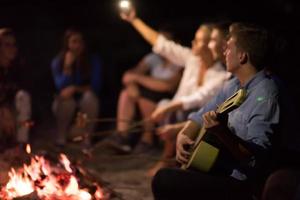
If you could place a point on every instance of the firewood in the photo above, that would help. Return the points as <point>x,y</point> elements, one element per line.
<point>31,196</point>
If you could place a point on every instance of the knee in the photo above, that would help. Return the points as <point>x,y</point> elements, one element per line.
<point>23,103</point>
<point>280,178</point>
<point>282,184</point>
<point>132,92</point>
<point>89,97</point>
<point>62,104</point>
<point>124,94</point>
<point>23,96</point>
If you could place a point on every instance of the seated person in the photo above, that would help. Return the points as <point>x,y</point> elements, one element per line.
<point>201,79</point>
<point>15,101</point>
<point>153,79</point>
<point>251,125</point>
<point>169,132</point>
<point>77,79</point>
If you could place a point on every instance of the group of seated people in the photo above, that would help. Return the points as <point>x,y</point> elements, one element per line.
<point>76,76</point>
<point>177,91</point>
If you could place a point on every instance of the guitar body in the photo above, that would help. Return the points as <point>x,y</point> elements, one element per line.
<point>206,151</point>
<point>204,157</point>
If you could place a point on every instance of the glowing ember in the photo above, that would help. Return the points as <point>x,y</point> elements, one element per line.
<point>49,183</point>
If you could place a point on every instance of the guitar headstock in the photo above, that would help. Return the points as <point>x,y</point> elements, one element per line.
<point>232,102</point>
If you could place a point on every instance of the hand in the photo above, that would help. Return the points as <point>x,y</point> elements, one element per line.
<point>68,62</point>
<point>182,154</point>
<point>129,77</point>
<point>159,113</point>
<point>167,132</point>
<point>129,14</point>
<point>68,92</point>
<point>210,119</point>
<point>7,121</point>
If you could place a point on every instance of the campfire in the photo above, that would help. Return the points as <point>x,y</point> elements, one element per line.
<point>43,180</point>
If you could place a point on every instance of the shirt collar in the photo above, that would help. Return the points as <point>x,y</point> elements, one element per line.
<point>259,76</point>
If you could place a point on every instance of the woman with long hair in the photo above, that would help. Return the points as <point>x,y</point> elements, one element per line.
<point>77,80</point>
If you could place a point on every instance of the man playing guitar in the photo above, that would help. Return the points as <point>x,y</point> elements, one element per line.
<point>252,123</point>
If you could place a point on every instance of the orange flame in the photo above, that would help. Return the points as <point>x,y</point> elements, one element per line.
<point>49,183</point>
<point>99,194</point>
<point>64,160</point>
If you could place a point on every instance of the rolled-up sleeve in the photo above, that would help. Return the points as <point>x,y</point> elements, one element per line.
<point>211,105</point>
<point>176,53</point>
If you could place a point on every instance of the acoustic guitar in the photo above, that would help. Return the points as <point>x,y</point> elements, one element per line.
<point>205,153</point>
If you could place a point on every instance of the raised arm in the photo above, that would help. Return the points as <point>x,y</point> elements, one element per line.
<point>149,34</point>
<point>176,53</point>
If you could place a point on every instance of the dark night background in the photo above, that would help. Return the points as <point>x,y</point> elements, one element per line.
<point>39,25</point>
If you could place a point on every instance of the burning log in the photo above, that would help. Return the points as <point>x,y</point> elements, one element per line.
<point>4,169</point>
<point>31,196</point>
<point>43,181</point>
<point>92,181</point>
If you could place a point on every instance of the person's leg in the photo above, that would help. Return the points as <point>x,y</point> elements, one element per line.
<point>281,185</point>
<point>7,127</point>
<point>171,184</point>
<point>145,145</point>
<point>89,104</point>
<point>63,110</point>
<point>167,159</point>
<point>168,134</point>
<point>23,109</point>
<point>125,112</point>
<point>147,107</point>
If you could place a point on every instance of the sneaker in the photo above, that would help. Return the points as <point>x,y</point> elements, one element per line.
<point>118,143</point>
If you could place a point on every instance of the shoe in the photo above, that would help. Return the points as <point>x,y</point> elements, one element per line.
<point>118,143</point>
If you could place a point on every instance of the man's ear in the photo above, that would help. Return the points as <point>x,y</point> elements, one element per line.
<point>243,57</point>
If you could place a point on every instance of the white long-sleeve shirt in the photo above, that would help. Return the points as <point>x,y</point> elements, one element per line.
<point>189,92</point>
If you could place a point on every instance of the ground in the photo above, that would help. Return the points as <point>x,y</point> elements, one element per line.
<point>124,175</point>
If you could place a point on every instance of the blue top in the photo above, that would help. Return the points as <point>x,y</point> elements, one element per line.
<point>61,80</point>
<point>254,119</point>
<point>157,67</point>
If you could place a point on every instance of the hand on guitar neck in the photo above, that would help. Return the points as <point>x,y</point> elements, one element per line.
<point>210,119</point>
